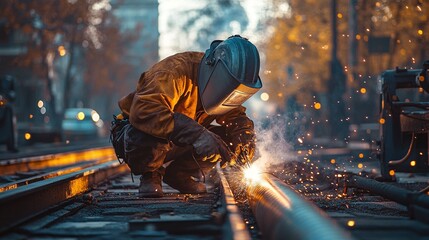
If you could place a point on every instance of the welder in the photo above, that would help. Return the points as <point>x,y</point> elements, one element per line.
<point>186,115</point>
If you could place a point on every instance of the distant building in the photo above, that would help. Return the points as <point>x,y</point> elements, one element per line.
<point>144,13</point>
<point>28,89</point>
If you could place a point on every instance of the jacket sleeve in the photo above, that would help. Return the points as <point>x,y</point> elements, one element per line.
<point>153,103</point>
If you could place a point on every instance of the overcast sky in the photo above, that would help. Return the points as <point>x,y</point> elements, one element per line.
<point>169,43</point>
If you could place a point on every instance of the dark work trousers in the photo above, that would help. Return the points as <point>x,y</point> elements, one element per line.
<point>146,153</point>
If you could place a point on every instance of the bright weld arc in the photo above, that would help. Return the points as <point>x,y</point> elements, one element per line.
<point>252,174</point>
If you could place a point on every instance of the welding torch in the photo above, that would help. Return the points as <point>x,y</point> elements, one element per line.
<point>244,155</point>
<point>243,158</point>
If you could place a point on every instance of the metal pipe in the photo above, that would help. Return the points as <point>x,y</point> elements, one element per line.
<point>281,213</point>
<point>391,192</point>
<point>416,202</point>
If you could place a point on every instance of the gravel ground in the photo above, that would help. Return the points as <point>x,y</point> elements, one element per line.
<point>323,183</point>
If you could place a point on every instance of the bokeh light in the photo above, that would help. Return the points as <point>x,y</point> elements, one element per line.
<point>317,106</point>
<point>62,51</point>
<point>265,96</point>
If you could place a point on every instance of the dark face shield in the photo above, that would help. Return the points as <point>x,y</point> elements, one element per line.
<point>222,92</point>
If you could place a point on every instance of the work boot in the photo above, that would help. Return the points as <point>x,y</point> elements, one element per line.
<point>184,181</point>
<point>150,185</point>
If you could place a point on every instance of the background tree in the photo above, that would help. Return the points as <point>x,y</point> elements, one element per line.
<point>75,34</point>
<point>298,50</point>
<point>107,69</point>
<point>404,22</point>
<point>43,24</point>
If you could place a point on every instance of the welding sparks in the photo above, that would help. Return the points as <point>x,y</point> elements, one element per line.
<point>252,174</point>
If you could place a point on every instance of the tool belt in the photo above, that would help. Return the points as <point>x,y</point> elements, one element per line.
<point>117,136</point>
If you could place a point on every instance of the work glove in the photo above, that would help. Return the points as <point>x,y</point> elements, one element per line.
<point>239,130</point>
<point>207,145</point>
<point>210,147</point>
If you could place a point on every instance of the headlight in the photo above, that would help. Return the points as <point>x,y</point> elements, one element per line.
<point>80,116</point>
<point>95,117</point>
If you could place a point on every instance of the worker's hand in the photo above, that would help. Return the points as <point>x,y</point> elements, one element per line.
<point>207,145</point>
<point>210,147</point>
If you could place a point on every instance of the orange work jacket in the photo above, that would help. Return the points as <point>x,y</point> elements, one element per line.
<point>170,86</point>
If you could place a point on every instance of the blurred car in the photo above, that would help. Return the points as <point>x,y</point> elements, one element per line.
<point>81,123</point>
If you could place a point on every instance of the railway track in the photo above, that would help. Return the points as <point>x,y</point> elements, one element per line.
<point>88,194</point>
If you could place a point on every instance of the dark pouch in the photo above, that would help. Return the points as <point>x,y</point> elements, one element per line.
<point>117,136</point>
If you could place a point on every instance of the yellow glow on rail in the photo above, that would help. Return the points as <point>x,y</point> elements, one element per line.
<point>61,159</point>
<point>77,186</point>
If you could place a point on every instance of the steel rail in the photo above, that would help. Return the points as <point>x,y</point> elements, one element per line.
<point>53,160</point>
<point>23,203</point>
<point>236,229</point>
<point>281,213</point>
<point>54,173</point>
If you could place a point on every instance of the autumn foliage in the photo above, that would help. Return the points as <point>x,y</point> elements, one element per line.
<point>298,49</point>
<point>82,36</point>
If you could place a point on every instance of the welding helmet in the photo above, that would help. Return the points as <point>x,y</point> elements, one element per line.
<point>228,74</point>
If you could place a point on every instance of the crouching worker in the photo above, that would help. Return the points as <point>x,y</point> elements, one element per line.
<point>186,114</point>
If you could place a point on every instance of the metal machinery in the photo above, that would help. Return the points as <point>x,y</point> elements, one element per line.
<point>404,121</point>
